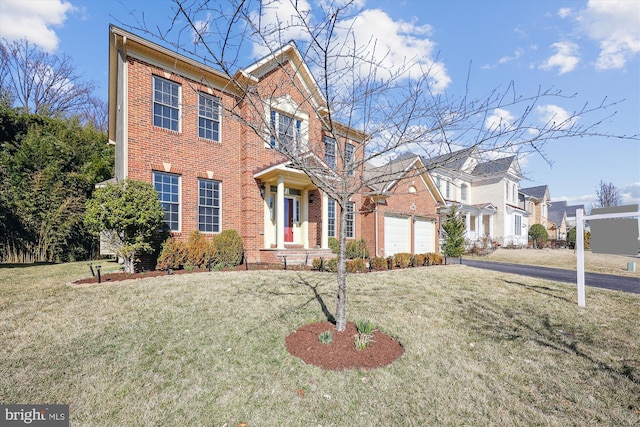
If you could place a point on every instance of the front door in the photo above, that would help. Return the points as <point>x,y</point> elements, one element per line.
<point>289,209</point>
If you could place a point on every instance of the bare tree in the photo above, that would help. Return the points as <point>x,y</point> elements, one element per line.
<point>40,83</point>
<point>608,195</point>
<point>387,108</point>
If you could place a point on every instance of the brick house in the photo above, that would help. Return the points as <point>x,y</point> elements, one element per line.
<point>401,211</point>
<point>190,130</point>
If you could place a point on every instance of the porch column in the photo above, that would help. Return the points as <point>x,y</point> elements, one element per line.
<point>491,226</point>
<point>324,239</point>
<point>280,214</point>
<point>304,226</point>
<point>467,224</point>
<point>479,226</point>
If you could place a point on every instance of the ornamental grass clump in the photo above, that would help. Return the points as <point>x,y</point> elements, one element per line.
<point>364,337</point>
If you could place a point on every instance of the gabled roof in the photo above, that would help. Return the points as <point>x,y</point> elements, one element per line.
<point>453,161</point>
<point>556,216</point>
<point>381,179</point>
<point>494,166</point>
<point>538,192</point>
<point>562,206</point>
<point>288,53</point>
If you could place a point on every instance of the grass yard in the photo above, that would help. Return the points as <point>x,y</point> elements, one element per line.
<point>481,348</point>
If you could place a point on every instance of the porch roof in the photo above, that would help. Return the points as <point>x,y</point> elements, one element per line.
<point>291,175</point>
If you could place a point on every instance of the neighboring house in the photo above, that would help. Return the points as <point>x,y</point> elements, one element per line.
<point>214,172</point>
<point>558,219</point>
<point>400,211</point>
<point>536,201</point>
<point>569,211</point>
<point>486,193</point>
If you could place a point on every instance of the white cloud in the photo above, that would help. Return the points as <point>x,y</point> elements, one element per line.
<point>33,20</point>
<point>557,115</point>
<point>201,28</point>
<point>631,194</point>
<point>392,45</point>
<point>615,25</point>
<point>396,44</point>
<point>565,59</point>
<point>280,22</point>
<point>499,120</point>
<point>564,12</point>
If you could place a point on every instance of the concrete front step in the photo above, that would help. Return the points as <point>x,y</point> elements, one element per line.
<point>294,256</point>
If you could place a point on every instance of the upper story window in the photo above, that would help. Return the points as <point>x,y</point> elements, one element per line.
<point>166,104</point>
<point>208,117</point>
<point>330,151</point>
<point>168,187</point>
<point>506,196</point>
<point>447,189</point>
<point>288,130</point>
<point>464,192</point>
<point>348,157</point>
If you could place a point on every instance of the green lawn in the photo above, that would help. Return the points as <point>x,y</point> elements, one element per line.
<point>481,348</point>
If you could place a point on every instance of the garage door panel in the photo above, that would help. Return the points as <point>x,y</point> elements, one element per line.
<point>396,235</point>
<point>424,236</point>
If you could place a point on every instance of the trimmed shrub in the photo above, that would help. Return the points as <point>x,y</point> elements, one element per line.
<point>173,255</point>
<point>538,235</point>
<point>357,249</point>
<point>334,245</point>
<point>316,263</point>
<point>356,265</point>
<point>228,248</point>
<point>435,259</point>
<point>379,263</point>
<point>420,260</point>
<point>331,265</point>
<point>197,249</point>
<point>402,259</point>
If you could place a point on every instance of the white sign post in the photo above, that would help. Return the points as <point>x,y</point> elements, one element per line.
<point>580,218</point>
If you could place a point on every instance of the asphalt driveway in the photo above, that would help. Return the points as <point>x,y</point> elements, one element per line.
<point>606,281</point>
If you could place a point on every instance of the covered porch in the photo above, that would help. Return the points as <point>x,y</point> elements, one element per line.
<point>294,220</point>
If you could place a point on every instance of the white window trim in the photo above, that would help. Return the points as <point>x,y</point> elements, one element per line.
<point>213,97</point>
<point>179,230</point>
<point>286,105</point>
<point>219,205</point>
<point>153,102</point>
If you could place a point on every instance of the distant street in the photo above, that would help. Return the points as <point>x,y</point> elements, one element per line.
<point>606,281</point>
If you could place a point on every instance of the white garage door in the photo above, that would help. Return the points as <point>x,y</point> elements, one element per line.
<point>424,236</point>
<point>396,235</point>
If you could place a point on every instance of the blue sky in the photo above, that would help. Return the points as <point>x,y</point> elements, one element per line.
<point>591,48</point>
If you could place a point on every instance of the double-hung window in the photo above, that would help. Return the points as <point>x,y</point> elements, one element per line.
<point>349,226</point>
<point>330,151</point>
<point>208,117</point>
<point>168,187</point>
<point>166,104</point>
<point>517,225</point>
<point>331,218</point>
<point>208,206</point>
<point>348,157</point>
<point>285,131</point>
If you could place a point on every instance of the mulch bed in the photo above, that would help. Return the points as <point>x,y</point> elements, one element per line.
<point>341,353</point>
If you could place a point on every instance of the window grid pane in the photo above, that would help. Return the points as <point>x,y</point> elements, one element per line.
<point>166,104</point>
<point>330,152</point>
<point>349,224</point>
<point>331,218</point>
<point>348,157</point>
<point>167,186</point>
<point>209,117</point>
<point>209,206</point>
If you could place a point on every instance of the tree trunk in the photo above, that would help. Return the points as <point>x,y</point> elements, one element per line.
<point>341,308</point>
<point>129,263</point>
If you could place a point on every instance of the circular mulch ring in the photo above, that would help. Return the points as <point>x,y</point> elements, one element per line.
<point>341,353</point>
